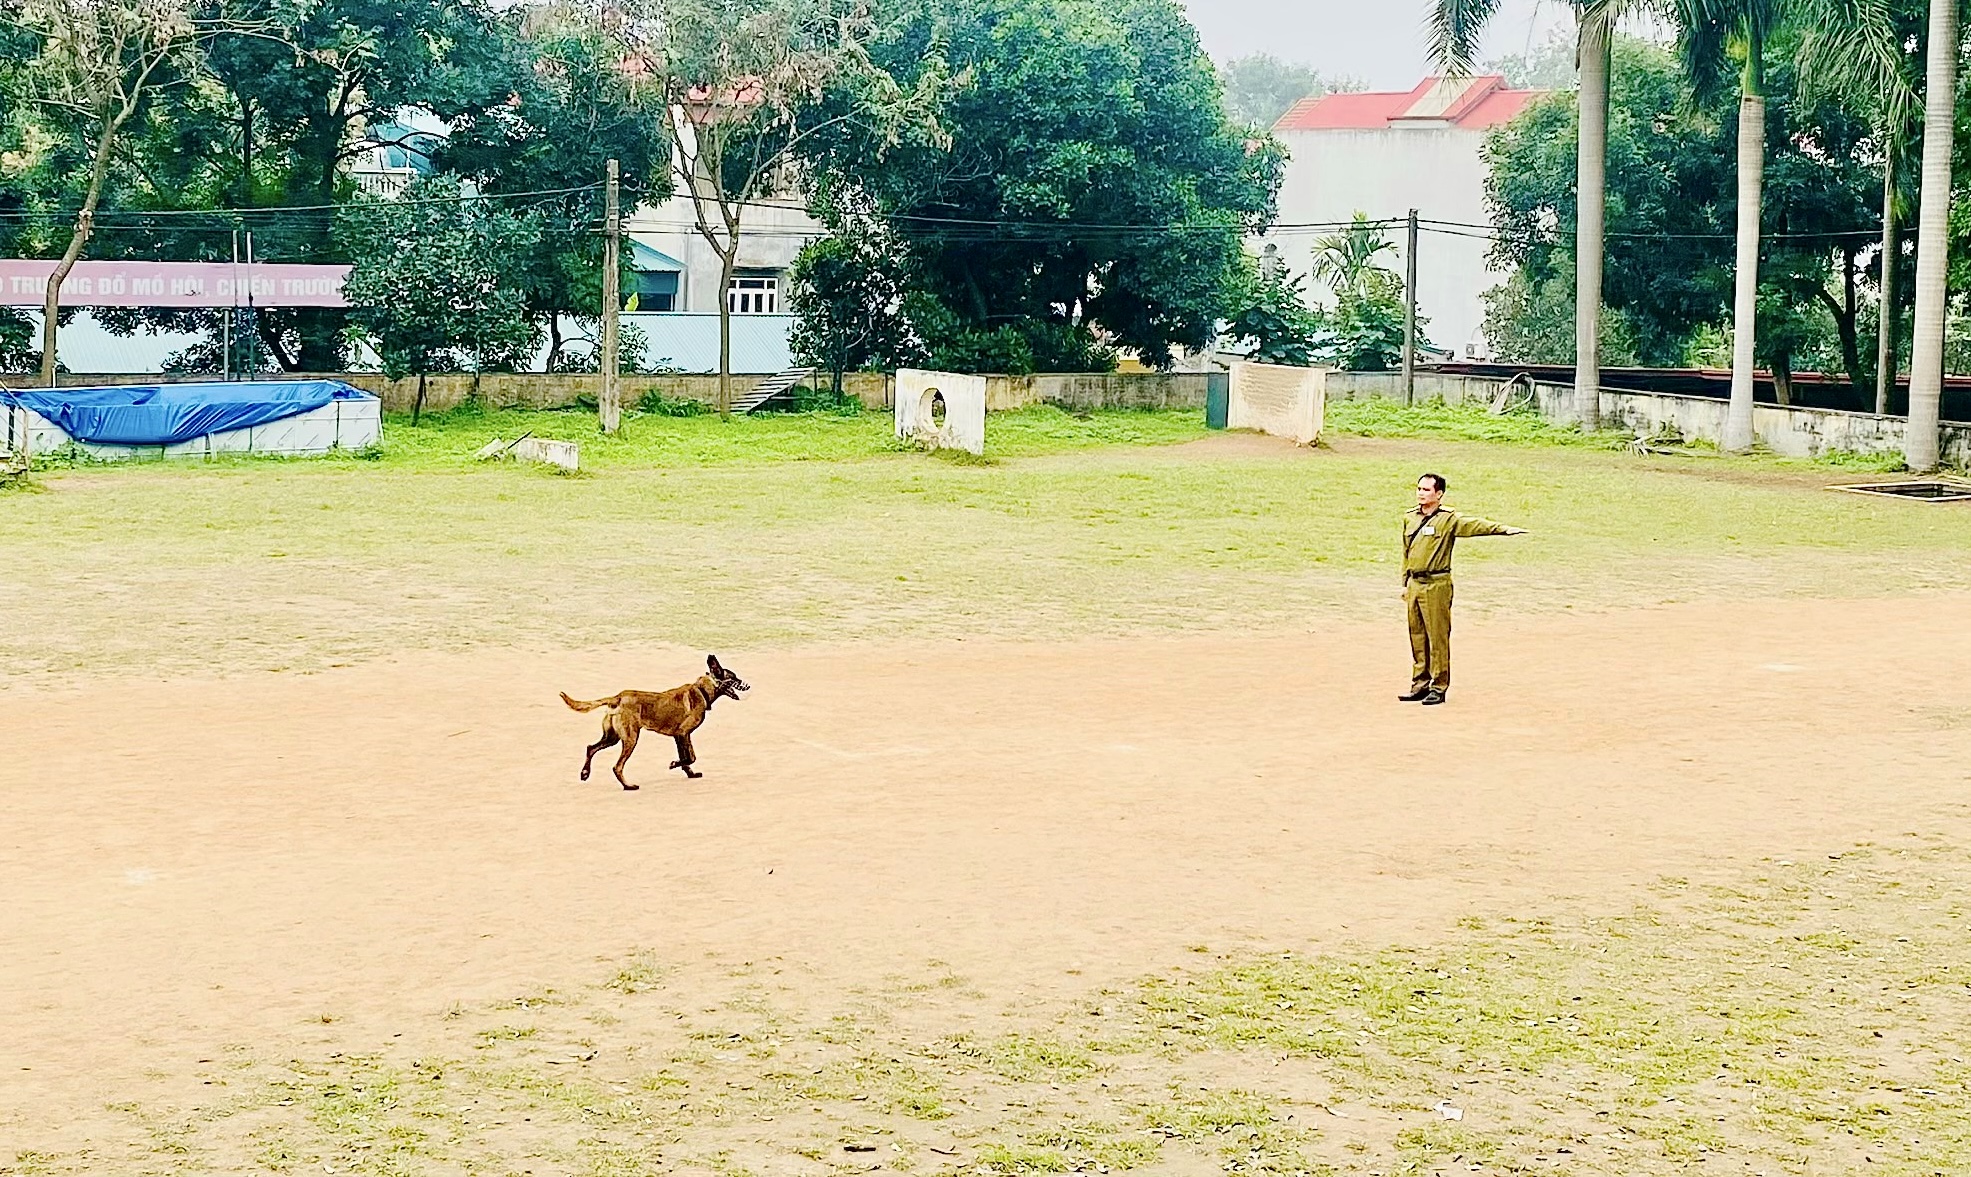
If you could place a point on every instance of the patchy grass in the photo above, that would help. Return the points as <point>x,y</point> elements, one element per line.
<point>665,439</point>
<point>643,971</point>
<point>1023,1057</point>
<point>1469,421</point>
<point>1808,1018</point>
<point>1849,460</point>
<point>1474,421</point>
<point>888,1084</point>
<point>810,528</point>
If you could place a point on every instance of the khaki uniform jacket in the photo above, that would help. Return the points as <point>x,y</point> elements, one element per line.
<point>1427,542</point>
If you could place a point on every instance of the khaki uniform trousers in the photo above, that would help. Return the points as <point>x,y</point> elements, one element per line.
<point>1427,601</point>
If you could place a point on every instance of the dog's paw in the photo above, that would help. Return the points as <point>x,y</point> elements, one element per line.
<point>677,764</point>
<point>585,774</point>
<point>629,788</point>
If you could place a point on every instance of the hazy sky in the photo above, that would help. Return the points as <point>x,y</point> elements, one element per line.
<point>1378,41</point>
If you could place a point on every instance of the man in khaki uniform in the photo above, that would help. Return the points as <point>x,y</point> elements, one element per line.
<point>1429,533</point>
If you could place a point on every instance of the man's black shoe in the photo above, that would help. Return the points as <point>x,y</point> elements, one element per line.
<point>1416,696</point>
<point>1433,699</point>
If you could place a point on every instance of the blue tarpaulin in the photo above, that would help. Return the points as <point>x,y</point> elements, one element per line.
<point>166,414</point>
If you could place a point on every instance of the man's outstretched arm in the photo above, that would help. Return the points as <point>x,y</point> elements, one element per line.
<point>1469,525</point>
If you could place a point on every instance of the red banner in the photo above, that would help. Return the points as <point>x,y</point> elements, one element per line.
<point>175,284</point>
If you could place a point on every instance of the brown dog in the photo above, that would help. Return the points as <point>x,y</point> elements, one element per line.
<point>675,713</point>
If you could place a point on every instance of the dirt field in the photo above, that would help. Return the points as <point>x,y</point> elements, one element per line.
<point>1665,886</point>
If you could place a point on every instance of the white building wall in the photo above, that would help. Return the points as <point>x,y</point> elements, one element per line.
<point>771,236</point>
<point>1438,170</point>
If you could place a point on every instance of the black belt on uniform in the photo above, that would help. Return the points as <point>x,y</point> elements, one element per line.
<point>1425,575</point>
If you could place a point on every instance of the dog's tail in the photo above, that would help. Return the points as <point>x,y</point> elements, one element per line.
<point>589,705</point>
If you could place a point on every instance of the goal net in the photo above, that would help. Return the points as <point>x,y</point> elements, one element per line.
<point>1286,402</point>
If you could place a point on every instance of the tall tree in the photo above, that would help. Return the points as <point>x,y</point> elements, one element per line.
<point>1712,37</point>
<point>1669,187</point>
<point>1670,200</point>
<point>1092,194</point>
<point>1926,356</point>
<point>97,63</point>
<point>433,282</point>
<point>568,110</point>
<point>1453,34</point>
<point>1858,53</point>
<point>749,84</point>
<point>303,98</point>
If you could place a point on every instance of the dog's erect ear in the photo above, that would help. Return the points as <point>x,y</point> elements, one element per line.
<point>712,661</point>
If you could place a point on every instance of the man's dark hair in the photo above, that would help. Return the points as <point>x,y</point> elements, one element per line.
<point>1437,480</point>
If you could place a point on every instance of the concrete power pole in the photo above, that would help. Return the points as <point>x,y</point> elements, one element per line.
<point>609,404</point>
<point>1410,314</point>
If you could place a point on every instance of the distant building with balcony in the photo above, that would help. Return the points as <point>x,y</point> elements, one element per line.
<point>395,152</point>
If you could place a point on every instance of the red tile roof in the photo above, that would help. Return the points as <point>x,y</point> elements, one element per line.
<point>1334,112</point>
<point>1500,106</point>
<point>1485,102</point>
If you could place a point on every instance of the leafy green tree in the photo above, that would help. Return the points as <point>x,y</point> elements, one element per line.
<point>26,178</point>
<point>299,99</point>
<point>752,84</point>
<point>568,110</point>
<point>1365,328</point>
<point>1529,322</point>
<point>1271,317</point>
<point>1260,87</point>
<point>1671,204</point>
<point>1350,260</point>
<point>1452,31</point>
<point>849,306</point>
<point>1713,37</point>
<point>1092,194</point>
<point>1819,200</point>
<point>432,285</point>
<point>1670,194</point>
<point>96,64</point>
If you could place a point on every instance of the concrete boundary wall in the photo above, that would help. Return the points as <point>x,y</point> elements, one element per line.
<point>1077,391</point>
<point>1791,430</point>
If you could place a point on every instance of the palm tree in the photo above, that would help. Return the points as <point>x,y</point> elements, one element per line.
<point>1343,261</point>
<point>1885,315</point>
<point>1926,351</point>
<point>1853,51</point>
<point>1453,31</point>
<point>1710,33</point>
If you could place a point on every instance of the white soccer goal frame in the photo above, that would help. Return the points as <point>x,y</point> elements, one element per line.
<point>1283,401</point>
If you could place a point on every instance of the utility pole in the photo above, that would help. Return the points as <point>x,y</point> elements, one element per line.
<point>26,448</point>
<point>609,404</point>
<point>232,313</point>
<point>1410,315</point>
<point>252,327</point>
